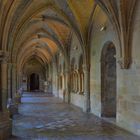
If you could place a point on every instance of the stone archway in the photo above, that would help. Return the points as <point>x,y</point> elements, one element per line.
<point>34,82</point>
<point>108,81</point>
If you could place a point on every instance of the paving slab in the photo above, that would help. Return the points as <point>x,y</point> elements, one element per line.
<point>45,117</point>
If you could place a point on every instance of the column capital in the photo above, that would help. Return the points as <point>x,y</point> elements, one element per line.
<point>124,62</point>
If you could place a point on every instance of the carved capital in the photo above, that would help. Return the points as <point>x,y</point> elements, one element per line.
<point>124,63</point>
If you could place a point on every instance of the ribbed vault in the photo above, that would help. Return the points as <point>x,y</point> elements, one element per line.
<point>26,20</point>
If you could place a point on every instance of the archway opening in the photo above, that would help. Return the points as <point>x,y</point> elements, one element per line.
<point>108,81</point>
<point>34,82</point>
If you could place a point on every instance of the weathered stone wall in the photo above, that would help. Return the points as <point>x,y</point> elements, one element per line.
<point>99,39</point>
<point>76,51</point>
<point>128,84</point>
<point>127,80</point>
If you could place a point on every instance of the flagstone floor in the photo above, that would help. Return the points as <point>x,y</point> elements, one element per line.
<point>44,117</point>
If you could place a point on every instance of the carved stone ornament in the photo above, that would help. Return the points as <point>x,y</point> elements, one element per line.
<point>124,63</point>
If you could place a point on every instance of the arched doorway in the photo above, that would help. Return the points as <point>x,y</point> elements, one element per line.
<point>108,81</point>
<point>34,82</point>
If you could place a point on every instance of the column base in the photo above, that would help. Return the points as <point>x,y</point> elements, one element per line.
<point>86,107</point>
<point>17,100</point>
<point>5,126</point>
<point>13,109</point>
<point>13,106</point>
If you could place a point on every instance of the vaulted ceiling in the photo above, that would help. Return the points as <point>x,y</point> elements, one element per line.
<point>34,27</point>
<point>42,28</point>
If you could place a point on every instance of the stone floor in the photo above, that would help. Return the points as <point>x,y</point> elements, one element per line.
<point>43,117</point>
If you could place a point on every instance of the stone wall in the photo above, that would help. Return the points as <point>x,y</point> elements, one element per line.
<point>75,52</point>
<point>128,84</point>
<point>100,38</point>
<point>127,80</point>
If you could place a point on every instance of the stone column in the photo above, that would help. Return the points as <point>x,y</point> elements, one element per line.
<point>14,90</point>
<point>9,81</point>
<point>50,77</point>
<point>57,84</point>
<point>19,80</point>
<point>67,86</point>
<point>4,84</point>
<point>5,122</point>
<point>13,100</point>
<point>86,107</point>
<point>47,82</point>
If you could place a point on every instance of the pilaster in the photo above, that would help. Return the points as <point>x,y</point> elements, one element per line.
<point>86,70</point>
<point>67,86</point>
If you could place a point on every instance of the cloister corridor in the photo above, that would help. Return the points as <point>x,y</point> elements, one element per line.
<point>69,69</point>
<point>44,117</point>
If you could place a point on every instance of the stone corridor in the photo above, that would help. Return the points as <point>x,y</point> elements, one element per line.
<point>44,117</point>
